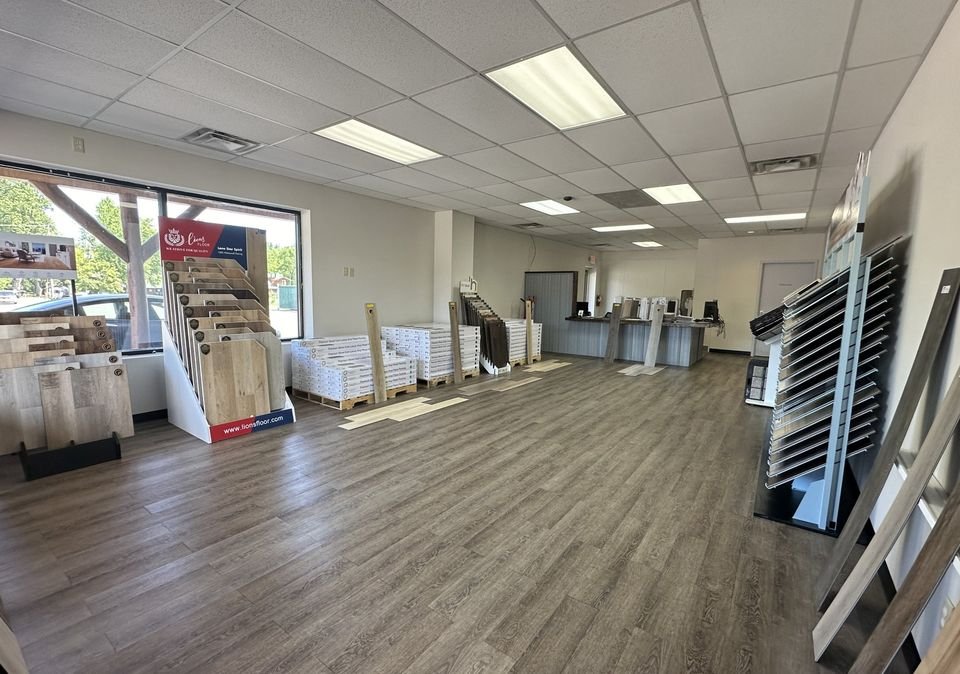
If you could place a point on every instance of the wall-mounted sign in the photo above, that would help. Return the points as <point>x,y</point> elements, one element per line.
<point>850,213</point>
<point>35,256</point>
<point>181,238</point>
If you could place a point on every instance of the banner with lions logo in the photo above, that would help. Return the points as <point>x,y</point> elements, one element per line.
<point>181,238</point>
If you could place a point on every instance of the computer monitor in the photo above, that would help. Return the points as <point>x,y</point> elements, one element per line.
<point>583,308</point>
<point>711,310</point>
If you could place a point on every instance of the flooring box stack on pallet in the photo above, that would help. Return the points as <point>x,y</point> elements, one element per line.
<point>429,344</point>
<point>337,372</point>
<point>517,340</point>
<point>62,385</point>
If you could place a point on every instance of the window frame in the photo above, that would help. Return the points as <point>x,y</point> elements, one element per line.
<point>163,194</point>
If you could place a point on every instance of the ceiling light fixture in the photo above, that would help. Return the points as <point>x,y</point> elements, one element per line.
<point>556,86</point>
<point>648,244</point>
<point>765,218</point>
<point>369,139</point>
<point>550,207</point>
<point>673,194</point>
<point>621,228</point>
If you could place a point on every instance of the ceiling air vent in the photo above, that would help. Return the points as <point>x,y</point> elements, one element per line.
<point>601,245</point>
<point>220,141</point>
<point>628,199</point>
<point>529,225</point>
<point>784,164</point>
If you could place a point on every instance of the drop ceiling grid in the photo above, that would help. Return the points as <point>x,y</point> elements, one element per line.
<point>292,160</point>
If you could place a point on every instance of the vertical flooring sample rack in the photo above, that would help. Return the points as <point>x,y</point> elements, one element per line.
<point>828,400</point>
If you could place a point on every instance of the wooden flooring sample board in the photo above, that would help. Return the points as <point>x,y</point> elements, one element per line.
<point>73,321</point>
<point>13,331</point>
<point>85,405</point>
<point>613,334</point>
<point>28,358</point>
<point>653,340</point>
<point>21,412</point>
<point>234,380</point>
<point>939,435</point>
<point>21,344</point>
<point>943,304</point>
<point>274,351</point>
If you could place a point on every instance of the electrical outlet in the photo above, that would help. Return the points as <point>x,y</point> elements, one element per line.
<point>346,271</point>
<point>945,612</point>
<point>351,272</point>
<point>79,145</point>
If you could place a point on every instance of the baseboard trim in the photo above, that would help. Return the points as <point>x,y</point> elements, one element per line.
<point>735,352</point>
<point>153,415</point>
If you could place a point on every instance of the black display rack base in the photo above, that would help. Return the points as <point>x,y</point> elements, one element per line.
<point>43,462</point>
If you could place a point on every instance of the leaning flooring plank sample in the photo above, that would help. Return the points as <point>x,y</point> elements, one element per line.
<point>28,358</point>
<point>234,380</point>
<point>926,353</point>
<point>943,656</point>
<point>613,334</point>
<point>21,413</point>
<point>85,405</point>
<point>928,569</point>
<point>939,435</point>
<point>274,352</point>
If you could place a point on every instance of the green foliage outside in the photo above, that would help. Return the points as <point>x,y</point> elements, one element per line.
<point>99,270</point>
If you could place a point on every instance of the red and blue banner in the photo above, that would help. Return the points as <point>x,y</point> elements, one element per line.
<point>180,238</point>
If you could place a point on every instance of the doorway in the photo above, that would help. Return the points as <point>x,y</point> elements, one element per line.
<point>777,280</point>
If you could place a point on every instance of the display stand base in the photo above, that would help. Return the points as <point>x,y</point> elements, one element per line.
<point>43,462</point>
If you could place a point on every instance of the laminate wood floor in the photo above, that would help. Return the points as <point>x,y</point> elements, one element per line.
<point>586,522</point>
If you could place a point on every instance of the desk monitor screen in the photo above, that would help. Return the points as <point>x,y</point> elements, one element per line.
<point>583,308</point>
<point>711,310</point>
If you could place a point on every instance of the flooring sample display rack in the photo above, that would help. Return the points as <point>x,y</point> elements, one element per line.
<point>828,399</point>
<point>494,345</point>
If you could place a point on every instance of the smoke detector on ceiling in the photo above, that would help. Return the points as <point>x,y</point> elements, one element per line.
<point>221,141</point>
<point>784,164</point>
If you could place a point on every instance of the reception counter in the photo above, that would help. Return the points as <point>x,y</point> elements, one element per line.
<point>681,343</point>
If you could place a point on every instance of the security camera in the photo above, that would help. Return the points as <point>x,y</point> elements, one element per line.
<point>568,198</point>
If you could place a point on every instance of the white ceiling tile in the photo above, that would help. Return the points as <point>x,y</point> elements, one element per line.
<point>588,202</point>
<point>443,201</point>
<point>613,215</point>
<point>502,163</point>
<point>582,219</point>
<point>801,109</point>
<point>357,189</point>
<point>735,205</point>
<point>552,187</point>
<point>338,153</point>
<point>516,210</point>
<point>621,141</point>
<point>692,128</point>
<point>279,170</point>
<point>179,146</point>
<point>644,212</point>
<point>691,208</point>
<point>301,163</point>
<point>712,165</point>
<point>722,189</point>
<point>83,32</point>
<point>666,222</point>
<point>891,29</point>
<point>788,181</point>
<point>719,234</point>
<point>173,20</point>
<point>825,199</point>
<point>511,192</point>
<point>652,173</point>
<point>184,105</point>
<point>263,52</point>
<point>423,181</point>
<point>477,198</point>
<point>32,58</point>
<point>33,110</point>
<point>844,146</point>
<point>465,27</point>
<point>147,121</point>
<point>554,153</point>
<point>578,18</point>
<point>784,148</point>
<point>458,172</point>
<point>366,36</point>
<point>750,39</point>
<point>199,75</point>
<point>835,177</point>
<point>48,94</point>
<point>411,121</point>
<point>676,68</point>
<point>386,186</point>
<point>597,181</point>
<point>486,109</point>
<point>704,222</point>
<point>868,95</point>
<point>800,200</point>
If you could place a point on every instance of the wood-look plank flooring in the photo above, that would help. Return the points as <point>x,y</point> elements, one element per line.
<point>586,522</point>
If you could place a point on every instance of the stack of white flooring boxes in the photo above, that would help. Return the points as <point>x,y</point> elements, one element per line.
<point>517,339</point>
<point>429,344</point>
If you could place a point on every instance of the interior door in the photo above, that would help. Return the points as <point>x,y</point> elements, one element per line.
<point>555,296</point>
<point>779,279</point>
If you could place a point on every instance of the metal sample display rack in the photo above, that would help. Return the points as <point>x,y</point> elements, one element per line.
<point>828,397</point>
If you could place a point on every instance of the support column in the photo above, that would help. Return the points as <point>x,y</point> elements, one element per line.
<point>452,259</point>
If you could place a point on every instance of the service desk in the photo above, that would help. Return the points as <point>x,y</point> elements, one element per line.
<point>681,342</point>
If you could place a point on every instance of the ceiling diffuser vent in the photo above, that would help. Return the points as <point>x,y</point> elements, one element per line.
<point>628,199</point>
<point>529,225</point>
<point>602,245</point>
<point>220,141</point>
<point>784,164</point>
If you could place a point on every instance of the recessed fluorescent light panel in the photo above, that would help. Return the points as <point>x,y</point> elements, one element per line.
<point>365,137</point>
<point>556,86</point>
<point>673,194</point>
<point>621,228</point>
<point>647,244</point>
<point>550,207</point>
<point>766,218</point>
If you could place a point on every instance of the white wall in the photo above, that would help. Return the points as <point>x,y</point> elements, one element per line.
<point>501,257</point>
<point>660,273</point>
<point>728,270</point>
<point>913,174</point>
